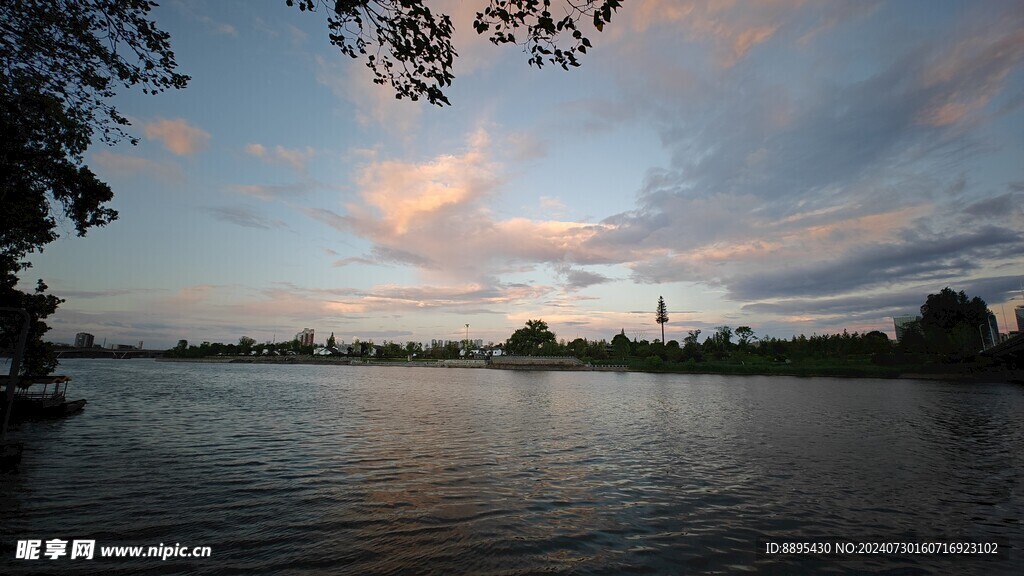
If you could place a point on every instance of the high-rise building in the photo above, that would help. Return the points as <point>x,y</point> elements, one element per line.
<point>901,323</point>
<point>1019,311</point>
<point>305,337</point>
<point>84,340</point>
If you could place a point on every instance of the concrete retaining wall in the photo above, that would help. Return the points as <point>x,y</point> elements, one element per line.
<point>536,361</point>
<point>464,363</point>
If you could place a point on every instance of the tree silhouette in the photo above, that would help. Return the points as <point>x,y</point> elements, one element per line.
<point>620,345</point>
<point>661,316</point>
<point>60,64</point>
<point>951,321</point>
<point>245,344</point>
<point>409,46</point>
<point>745,334</point>
<point>529,339</point>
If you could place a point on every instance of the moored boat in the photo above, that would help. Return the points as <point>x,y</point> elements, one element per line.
<point>45,398</point>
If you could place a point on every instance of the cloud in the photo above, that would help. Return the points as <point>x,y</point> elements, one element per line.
<point>124,165</point>
<point>732,28</point>
<point>525,146</point>
<point>819,184</point>
<point>212,312</point>
<point>831,176</point>
<point>191,295</point>
<point>245,217</point>
<point>885,303</point>
<point>296,158</point>
<point>349,260</point>
<point>273,191</point>
<point>177,135</point>
<point>108,293</point>
<point>552,204</point>
<point>965,76</point>
<point>920,257</point>
<point>434,214</point>
<point>210,24</point>
<point>337,304</point>
<point>836,13</point>
<point>375,105</point>
<point>576,279</point>
<point>296,36</point>
<point>997,207</point>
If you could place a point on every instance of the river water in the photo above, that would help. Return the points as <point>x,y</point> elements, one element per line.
<point>390,470</point>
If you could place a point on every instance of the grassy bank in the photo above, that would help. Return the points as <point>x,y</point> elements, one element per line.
<point>838,368</point>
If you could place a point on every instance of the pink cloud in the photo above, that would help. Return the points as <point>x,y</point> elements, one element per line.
<point>973,71</point>
<point>296,158</point>
<point>386,299</point>
<point>177,135</point>
<point>191,295</point>
<point>431,214</point>
<point>733,27</point>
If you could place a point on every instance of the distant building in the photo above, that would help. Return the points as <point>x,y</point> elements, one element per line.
<point>901,323</point>
<point>85,340</point>
<point>989,332</point>
<point>305,337</point>
<point>1019,310</point>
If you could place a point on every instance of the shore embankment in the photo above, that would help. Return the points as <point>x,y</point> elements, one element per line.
<point>541,363</point>
<point>502,363</point>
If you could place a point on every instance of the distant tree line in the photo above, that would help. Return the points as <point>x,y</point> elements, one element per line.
<point>947,332</point>
<point>246,346</point>
<point>724,343</point>
<point>249,347</point>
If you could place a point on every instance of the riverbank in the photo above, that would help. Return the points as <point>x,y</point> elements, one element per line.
<point>520,363</point>
<point>328,360</point>
<point>949,373</point>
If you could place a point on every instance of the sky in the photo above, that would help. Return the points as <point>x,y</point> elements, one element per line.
<point>796,167</point>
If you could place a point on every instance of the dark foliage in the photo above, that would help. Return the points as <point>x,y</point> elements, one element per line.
<point>661,316</point>
<point>949,326</point>
<point>948,309</point>
<point>409,46</point>
<point>530,339</point>
<point>60,63</point>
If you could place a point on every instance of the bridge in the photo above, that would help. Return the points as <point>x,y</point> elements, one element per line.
<point>106,353</point>
<point>1009,353</point>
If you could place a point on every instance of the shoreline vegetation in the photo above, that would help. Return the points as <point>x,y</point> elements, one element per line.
<point>946,342</point>
<point>964,373</point>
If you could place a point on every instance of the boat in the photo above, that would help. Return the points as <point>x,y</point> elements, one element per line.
<point>45,398</point>
<point>21,402</point>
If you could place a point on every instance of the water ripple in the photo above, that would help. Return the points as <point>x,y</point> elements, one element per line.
<point>312,469</point>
